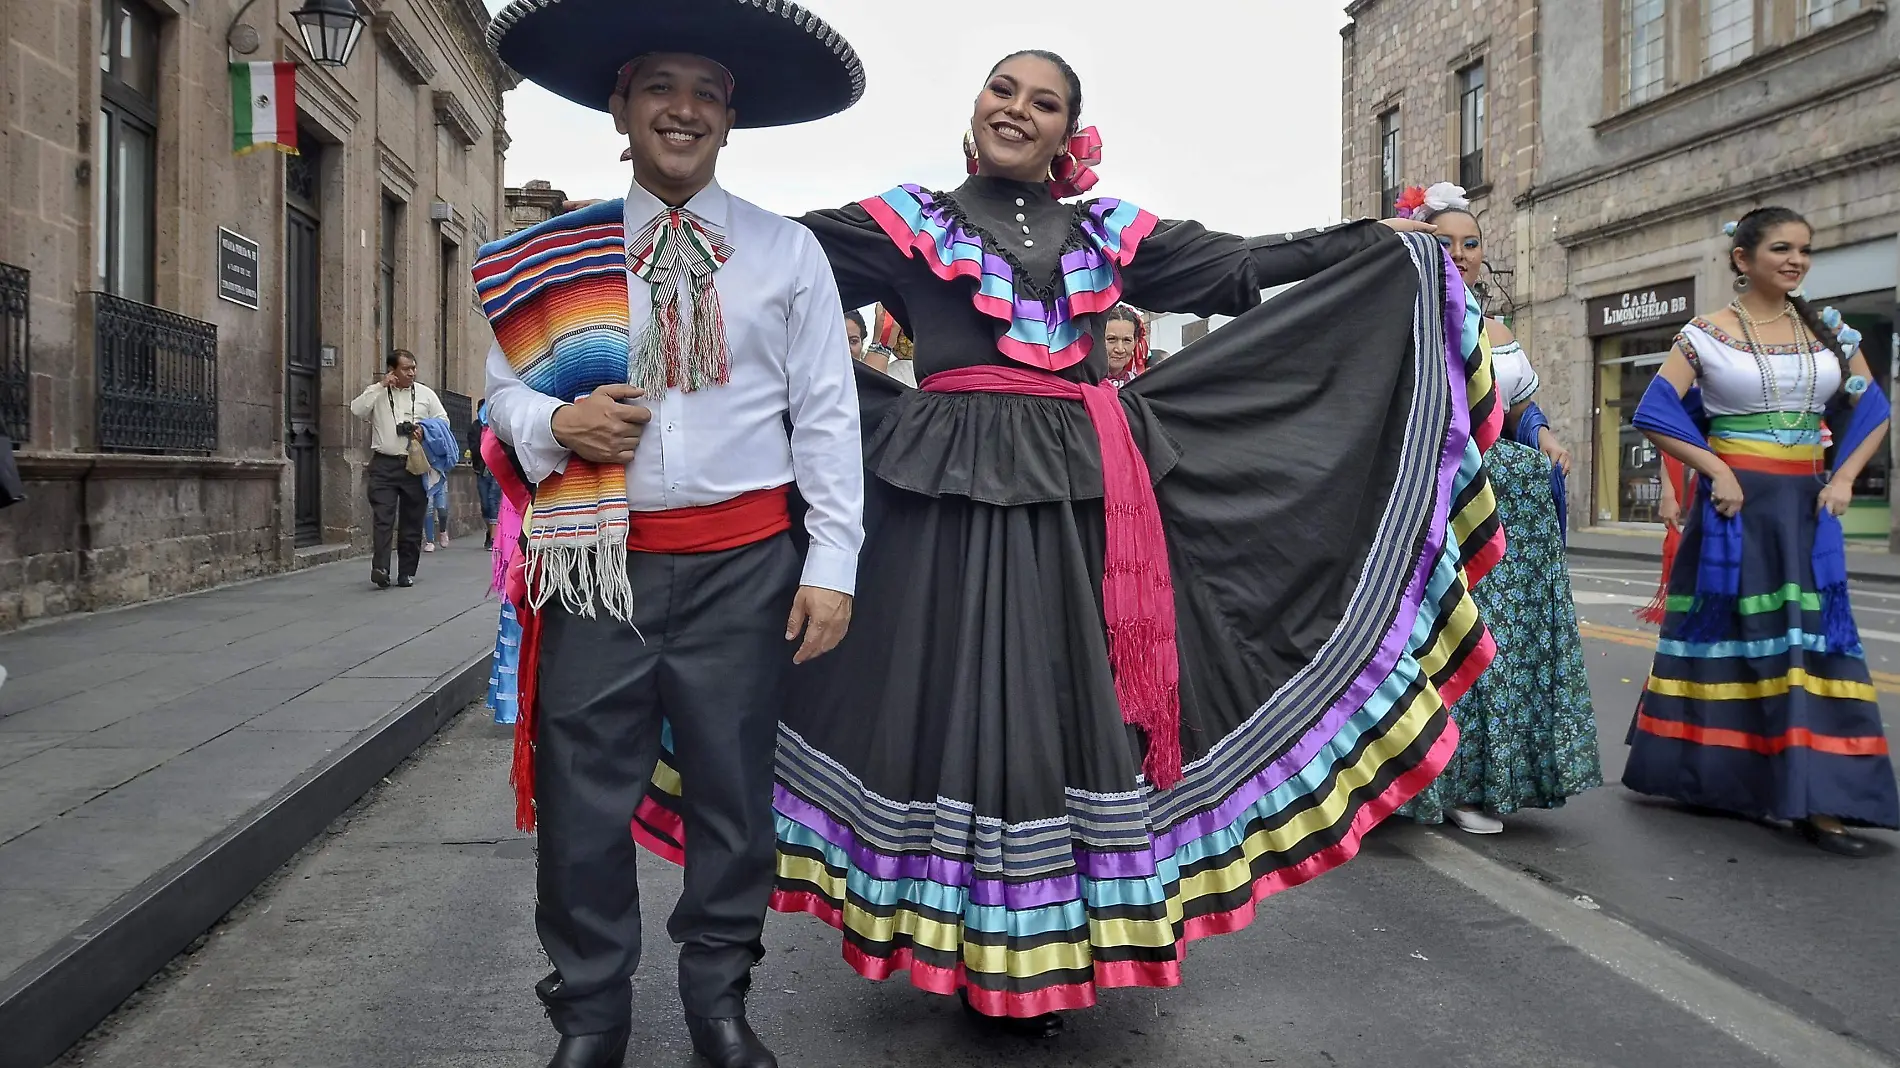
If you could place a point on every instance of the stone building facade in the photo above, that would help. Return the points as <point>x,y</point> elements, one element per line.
<point>1437,92</point>
<point>1642,126</point>
<point>1661,120</point>
<point>530,204</point>
<point>185,424</point>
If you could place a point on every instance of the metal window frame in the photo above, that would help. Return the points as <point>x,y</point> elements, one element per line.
<point>1734,53</point>
<point>1631,93</point>
<point>1473,139</point>
<point>1391,161</point>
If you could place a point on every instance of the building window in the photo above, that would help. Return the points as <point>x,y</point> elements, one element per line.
<point>1818,13</point>
<point>1471,126</point>
<point>1645,50</point>
<point>386,277</point>
<point>1728,33</point>
<point>126,150</point>
<point>1389,163</point>
<point>447,304</point>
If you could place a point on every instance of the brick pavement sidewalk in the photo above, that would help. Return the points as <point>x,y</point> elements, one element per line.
<point>158,760</point>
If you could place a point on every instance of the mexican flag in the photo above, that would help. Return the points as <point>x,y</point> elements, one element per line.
<point>264,107</point>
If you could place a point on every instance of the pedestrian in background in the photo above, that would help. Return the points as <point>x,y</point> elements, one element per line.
<point>444,452</point>
<point>486,488</point>
<point>12,492</point>
<point>1760,700</point>
<point>395,406</point>
<point>1127,339</point>
<point>1527,732</point>
<point>869,355</point>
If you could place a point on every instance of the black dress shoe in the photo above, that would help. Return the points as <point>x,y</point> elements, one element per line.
<point>1839,843</point>
<point>380,578</point>
<point>728,1042</point>
<point>1046,1025</point>
<point>406,581</point>
<point>605,1050</point>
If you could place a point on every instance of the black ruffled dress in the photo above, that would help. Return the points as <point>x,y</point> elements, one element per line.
<point>958,791</point>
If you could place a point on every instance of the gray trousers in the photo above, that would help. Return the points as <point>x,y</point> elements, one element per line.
<point>713,666</point>
<point>396,500</point>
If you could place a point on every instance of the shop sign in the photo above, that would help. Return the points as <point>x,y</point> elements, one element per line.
<point>237,269</point>
<point>1669,304</point>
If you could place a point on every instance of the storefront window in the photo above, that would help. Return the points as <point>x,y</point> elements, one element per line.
<point>1628,468</point>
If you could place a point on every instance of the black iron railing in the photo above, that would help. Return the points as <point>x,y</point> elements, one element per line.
<point>157,378</point>
<point>461,409</point>
<point>15,408</point>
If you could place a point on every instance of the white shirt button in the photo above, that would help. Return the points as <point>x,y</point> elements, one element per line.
<point>1029,244</point>
<point>1019,202</point>
<point>1019,215</point>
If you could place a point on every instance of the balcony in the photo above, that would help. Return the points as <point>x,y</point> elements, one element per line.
<point>14,365</point>
<point>157,379</point>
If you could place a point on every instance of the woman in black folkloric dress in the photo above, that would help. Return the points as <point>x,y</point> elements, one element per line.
<point>1021,784</point>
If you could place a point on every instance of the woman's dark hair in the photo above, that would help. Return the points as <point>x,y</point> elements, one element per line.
<point>1750,231</point>
<point>1442,212</point>
<point>1123,313</point>
<point>1068,75</point>
<point>853,316</point>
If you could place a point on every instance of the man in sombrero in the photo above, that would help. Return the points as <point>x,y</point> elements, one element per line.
<point>668,368</point>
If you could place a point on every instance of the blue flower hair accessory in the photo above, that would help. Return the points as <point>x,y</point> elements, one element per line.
<point>1831,318</point>
<point>1850,339</point>
<point>1729,228</point>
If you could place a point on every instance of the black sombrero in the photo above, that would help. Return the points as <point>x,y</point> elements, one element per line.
<point>788,65</point>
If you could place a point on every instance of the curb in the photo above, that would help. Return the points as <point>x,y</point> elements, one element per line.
<point>53,1000</point>
<point>1654,559</point>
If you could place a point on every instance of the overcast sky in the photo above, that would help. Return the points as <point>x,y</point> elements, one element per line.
<point>1223,111</point>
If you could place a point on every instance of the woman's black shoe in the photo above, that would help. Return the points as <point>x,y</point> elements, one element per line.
<point>1839,843</point>
<point>1048,1025</point>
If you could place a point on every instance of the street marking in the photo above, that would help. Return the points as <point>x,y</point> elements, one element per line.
<point>1884,681</point>
<point>1757,1022</point>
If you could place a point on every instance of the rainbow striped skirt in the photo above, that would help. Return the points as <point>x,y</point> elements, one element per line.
<point>957,792</point>
<point>1767,721</point>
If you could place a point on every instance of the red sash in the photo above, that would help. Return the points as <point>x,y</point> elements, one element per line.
<point>745,519</point>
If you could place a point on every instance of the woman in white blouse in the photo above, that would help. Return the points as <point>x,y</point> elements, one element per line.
<point>1528,735</point>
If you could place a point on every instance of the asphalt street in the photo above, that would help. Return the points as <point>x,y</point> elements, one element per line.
<point>1613,932</point>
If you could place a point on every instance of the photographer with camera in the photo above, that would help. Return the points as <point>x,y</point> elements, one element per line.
<point>395,406</point>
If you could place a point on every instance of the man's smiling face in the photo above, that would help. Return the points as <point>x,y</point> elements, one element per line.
<point>675,111</point>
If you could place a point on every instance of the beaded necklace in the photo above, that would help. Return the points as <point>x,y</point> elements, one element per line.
<point>1808,376</point>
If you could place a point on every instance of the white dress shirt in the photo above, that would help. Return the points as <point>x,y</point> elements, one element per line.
<point>789,358</point>
<point>385,407</point>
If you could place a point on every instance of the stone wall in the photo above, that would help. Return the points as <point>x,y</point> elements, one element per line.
<point>1631,198</point>
<point>1406,54</point>
<point>414,116</point>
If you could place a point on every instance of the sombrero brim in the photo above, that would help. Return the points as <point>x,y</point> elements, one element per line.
<point>788,65</point>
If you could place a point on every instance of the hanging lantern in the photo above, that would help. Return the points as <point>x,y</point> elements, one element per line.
<point>330,30</point>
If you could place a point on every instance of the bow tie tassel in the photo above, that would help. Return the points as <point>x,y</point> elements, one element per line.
<point>677,248</point>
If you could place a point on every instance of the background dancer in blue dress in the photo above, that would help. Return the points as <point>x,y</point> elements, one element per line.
<point>1760,702</point>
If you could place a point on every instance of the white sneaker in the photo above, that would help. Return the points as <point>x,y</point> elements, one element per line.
<point>428,546</point>
<point>445,541</point>
<point>1473,820</point>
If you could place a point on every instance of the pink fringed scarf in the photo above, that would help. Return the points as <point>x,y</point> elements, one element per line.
<point>1137,591</point>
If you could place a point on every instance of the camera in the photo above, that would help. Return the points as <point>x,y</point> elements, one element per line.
<point>405,429</point>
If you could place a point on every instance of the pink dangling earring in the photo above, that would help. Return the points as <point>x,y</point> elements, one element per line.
<point>970,159</point>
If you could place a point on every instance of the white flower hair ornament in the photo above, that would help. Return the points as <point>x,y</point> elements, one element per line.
<point>1422,204</point>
